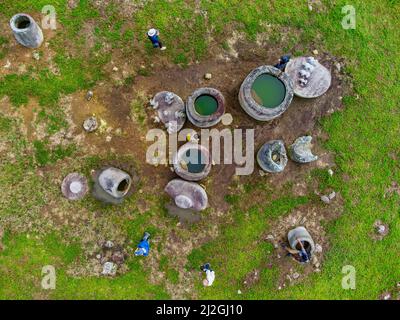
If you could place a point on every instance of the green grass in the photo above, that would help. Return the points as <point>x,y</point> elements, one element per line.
<point>364,138</point>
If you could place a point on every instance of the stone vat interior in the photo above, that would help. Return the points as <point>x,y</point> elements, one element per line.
<point>22,22</point>
<point>206,105</point>
<point>268,91</point>
<point>123,186</point>
<point>194,160</point>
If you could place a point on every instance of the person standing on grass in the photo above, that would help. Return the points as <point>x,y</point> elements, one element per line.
<point>210,275</point>
<point>153,35</point>
<point>143,248</point>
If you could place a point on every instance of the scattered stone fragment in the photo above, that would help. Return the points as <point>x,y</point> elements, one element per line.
<point>325,199</point>
<point>108,138</point>
<point>315,52</point>
<point>109,269</point>
<point>381,230</point>
<point>108,244</point>
<point>208,76</point>
<point>332,195</point>
<point>295,275</point>
<point>300,150</point>
<point>115,69</point>
<point>385,296</point>
<point>90,124</point>
<point>89,95</point>
<point>36,55</point>
<point>330,172</point>
<point>239,292</point>
<point>318,248</point>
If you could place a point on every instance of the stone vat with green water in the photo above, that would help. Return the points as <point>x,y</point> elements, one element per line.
<point>205,107</point>
<point>266,93</point>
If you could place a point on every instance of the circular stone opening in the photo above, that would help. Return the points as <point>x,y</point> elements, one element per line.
<point>206,105</point>
<point>22,22</point>
<point>268,91</point>
<point>194,160</point>
<point>123,186</point>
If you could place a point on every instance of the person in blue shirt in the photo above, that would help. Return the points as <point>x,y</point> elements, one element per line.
<point>143,248</point>
<point>283,61</point>
<point>154,37</point>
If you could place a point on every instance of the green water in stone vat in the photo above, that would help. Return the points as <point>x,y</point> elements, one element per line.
<point>268,91</point>
<point>206,105</point>
<point>194,160</point>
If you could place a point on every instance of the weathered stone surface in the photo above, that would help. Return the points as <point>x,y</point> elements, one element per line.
<point>201,120</point>
<point>181,168</point>
<point>74,186</point>
<point>300,150</point>
<point>315,85</point>
<point>257,111</point>
<point>26,31</point>
<point>170,110</point>
<point>187,195</point>
<point>272,156</point>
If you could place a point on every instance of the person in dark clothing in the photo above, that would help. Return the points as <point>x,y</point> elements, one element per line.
<point>154,37</point>
<point>283,62</point>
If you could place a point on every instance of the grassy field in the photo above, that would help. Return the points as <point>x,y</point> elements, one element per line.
<point>364,138</point>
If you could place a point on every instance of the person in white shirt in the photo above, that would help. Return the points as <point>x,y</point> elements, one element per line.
<point>210,275</point>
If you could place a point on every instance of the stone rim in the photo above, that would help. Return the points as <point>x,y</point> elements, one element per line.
<point>200,120</point>
<point>257,111</point>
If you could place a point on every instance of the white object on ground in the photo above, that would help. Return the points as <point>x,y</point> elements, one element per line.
<point>210,278</point>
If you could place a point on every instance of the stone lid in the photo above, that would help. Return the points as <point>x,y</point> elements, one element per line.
<point>74,186</point>
<point>187,195</point>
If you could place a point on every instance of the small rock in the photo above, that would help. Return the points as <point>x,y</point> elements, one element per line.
<point>325,199</point>
<point>330,172</point>
<point>332,195</point>
<point>109,268</point>
<point>318,248</point>
<point>315,52</point>
<point>89,95</point>
<point>295,275</point>
<point>115,69</point>
<point>98,256</point>
<point>386,296</point>
<point>36,55</point>
<point>90,124</point>
<point>108,244</point>
<point>208,76</point>
<point>239,292</point>
<point>108,138</point>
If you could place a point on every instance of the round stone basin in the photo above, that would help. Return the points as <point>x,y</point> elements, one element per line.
<point>206,105</point>
<point>268,91</point>
<point>192,162</point>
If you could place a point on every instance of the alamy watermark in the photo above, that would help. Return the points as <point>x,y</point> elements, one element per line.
<point>48,278</point>
<point>349,20</point>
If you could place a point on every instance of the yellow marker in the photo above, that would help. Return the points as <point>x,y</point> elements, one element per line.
<point>188,137</point>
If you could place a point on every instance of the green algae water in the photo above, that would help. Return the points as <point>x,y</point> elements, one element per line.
<point>268,91</point>
<point>195,161</point>
<point>206,105</point>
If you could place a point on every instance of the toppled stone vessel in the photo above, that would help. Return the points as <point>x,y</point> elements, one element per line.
<point>112,185</point>
<point>26,31</point>
<point>272,156</point>
<point>192,162</point>
<point>301,241</point>
<point>300,150</point>
<point>170,110</point>
<point>74,186</point>
<point>266,93</point>
<point>187,195</point>
<point>205,107</point>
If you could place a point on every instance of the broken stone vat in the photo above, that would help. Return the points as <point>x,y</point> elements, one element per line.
<point>192,162</point>
<point>171,110</point>
<point>26,30</point>
<point>187,195</point>
<point>272,156</point>
<point>300,234</point>
<point>112,185</point>
<point>300,150</point>
<point>205,107</point>
<point>266,93</point>
<point>74,186</point>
